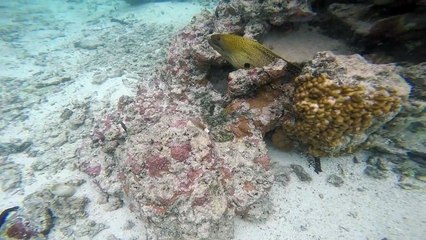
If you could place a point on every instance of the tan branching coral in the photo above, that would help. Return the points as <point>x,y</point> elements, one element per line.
<point>328,115</point>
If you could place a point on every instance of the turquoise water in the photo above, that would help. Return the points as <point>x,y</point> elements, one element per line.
<point>120,121</point>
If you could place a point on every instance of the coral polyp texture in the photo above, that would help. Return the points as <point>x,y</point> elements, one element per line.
<point>340,100</point>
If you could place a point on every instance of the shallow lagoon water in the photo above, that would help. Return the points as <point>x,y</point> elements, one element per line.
<point>82,56</point>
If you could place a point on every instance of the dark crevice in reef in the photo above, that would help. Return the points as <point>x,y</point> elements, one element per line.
<point>218,77</point>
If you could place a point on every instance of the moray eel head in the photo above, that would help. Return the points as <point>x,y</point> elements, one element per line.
<point>243,52</point>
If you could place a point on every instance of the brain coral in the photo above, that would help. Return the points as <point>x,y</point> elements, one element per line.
<point>340,100</point>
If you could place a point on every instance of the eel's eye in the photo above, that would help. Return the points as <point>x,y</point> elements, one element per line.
<point>246,65</point>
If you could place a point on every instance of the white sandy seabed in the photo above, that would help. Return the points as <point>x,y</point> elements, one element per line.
<point>362,208</point>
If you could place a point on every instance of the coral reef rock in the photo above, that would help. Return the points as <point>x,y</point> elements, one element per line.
<point>416,76</point>
<point>382,26</point>
<point>242,81</point>
<point>255,17</point>
<point>176,177</point>
<point>391,21</point>
<point>188,159</point>
<point>340,100</point>
<point>260,98</point>
<point>405,135</point>
<point>169,152</point>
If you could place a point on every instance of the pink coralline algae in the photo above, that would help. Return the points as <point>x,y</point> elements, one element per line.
<point>19,230</point>
<point>93,170</point>
<point>156,165</point>
<point>180,152</point>
<point>179,124</point>
<point>264,161</point>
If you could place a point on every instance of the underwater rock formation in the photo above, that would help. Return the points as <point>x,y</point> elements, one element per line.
<point>380,21</point>
<point>405,135</point>
<point>340,100</point>
<point>175,175</point>
<point>379,26</point>
<point>188,159</point>
<point>190,57</point>
<point>260,98</point>
<point>243,82</point>
<point>416,76</point>
<point>178,166</point>
<point>179,178</point>
<point>253,18</point>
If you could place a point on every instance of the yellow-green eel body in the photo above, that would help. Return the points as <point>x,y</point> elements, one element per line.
<point>246,53</point>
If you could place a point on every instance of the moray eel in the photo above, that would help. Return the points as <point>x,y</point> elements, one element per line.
<point>245,53</point>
